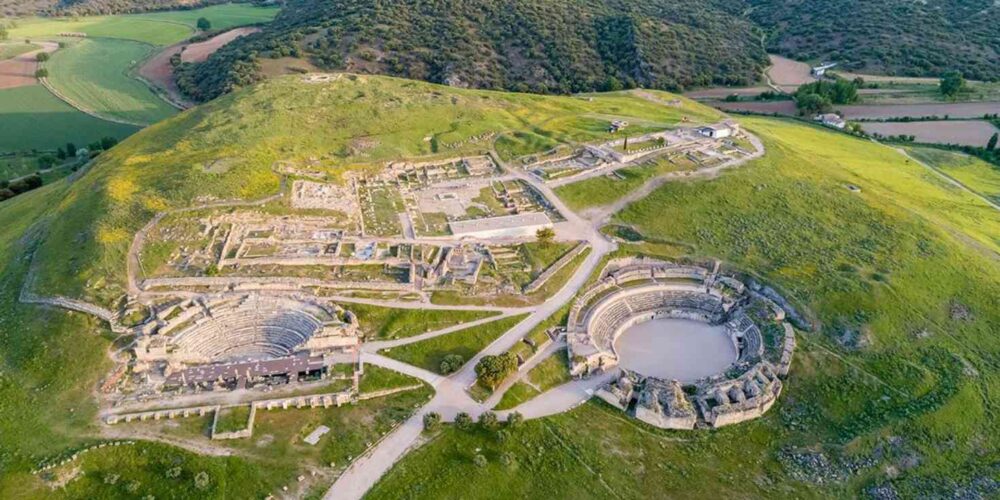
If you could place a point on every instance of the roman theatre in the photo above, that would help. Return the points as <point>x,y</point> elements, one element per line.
<point>695,348</point>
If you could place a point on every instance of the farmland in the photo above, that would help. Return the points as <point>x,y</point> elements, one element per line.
<point>157,28</point>
<point>972,172</point>
<point>32,118</point>
<point>963,132</point>
<point>95,74</point>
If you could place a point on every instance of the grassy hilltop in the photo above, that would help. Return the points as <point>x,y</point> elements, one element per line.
<point>354,122</point>
<point>897,387</point>
<point>79,231</point>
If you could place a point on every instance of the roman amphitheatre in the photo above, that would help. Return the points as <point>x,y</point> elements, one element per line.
<point>316,307</point>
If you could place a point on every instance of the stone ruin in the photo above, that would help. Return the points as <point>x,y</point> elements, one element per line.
<point>235,340</point>
<point>636,290</point>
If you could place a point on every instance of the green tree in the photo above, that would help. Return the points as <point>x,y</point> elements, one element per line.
<point>108,143</point>
<point>492,370</point>
<point>463,421</point>
<point>813,104</point>
<point>42,56</point>
<point>431,420</point>
<point>41,73</point>
<point>489,420</point>
<point>70,149</point>
<point>451,363</point>
<point>46,161</point>
<point>951,84</point>
<point>992,143</point>
<point>545,235</point>
<point>204,24</point>
<point>514,419</point>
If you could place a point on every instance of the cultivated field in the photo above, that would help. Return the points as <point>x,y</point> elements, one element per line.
<point>951,110</point>
<point>9,50</point>
<point>788,74</point>
<point>198,52</point>
<point>94,74</point>
<point>32,118</point>
<point>964,132</point>
<point>158,28</point>
<point>19,70</point>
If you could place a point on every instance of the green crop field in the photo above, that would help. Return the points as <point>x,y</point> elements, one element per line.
<point>159,28</point>
<point>32,118</point>
<point>95,74</point>
<point>10,50</point>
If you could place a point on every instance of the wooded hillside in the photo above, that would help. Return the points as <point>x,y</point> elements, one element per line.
<point>555,46</point>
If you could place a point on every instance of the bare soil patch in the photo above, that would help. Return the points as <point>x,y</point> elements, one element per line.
<point>966,132</point>
<point>785,72</point>
<point>286,66</point>
<point>952,110</point>
<point>20,71</point>
<point>766,107</point>
<point>198,52</point>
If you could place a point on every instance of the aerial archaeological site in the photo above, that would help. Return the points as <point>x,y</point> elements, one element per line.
<point>510,249</point>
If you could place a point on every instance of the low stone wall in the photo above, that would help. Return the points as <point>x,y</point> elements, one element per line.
<point>240,434</point>
<point>272,283</point>
<point>556,267</point>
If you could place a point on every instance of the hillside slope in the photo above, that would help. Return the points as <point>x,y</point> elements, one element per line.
<point>555,46</point>
<point>893,395</point>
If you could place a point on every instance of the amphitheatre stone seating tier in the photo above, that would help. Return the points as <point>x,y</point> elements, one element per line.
<point>631,293</point>
<point>248,326</point>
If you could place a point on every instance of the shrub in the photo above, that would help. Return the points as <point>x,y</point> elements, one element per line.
<point>451,363</point>
<point>514,419</point>
<point>463,421</point>
<point>489,420</point>
<point>431,420</point>
<point>480,460</point>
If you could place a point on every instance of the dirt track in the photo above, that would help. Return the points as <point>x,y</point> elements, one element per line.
<point>198,52</point>
<point>20,71</point>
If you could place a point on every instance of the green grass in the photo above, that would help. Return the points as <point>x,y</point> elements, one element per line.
<point>33,118</point>
<point>428,354</point>
<point>384,323</point>
<point>551,372</point>
<point>157,28</point>
<point>232,419</point>
<point>975,174</point>
<point>11,50</point>
<point>909,264</point>
<point>95,74</point>
<point>603,190</point>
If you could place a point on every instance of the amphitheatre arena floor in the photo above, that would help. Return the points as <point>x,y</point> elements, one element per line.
<point>681,349</point>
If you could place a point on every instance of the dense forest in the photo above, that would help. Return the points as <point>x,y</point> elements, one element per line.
<point>896,37</point>
<point>553,46</point>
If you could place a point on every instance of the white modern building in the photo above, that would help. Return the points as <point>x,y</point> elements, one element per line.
<point>506,226</point>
